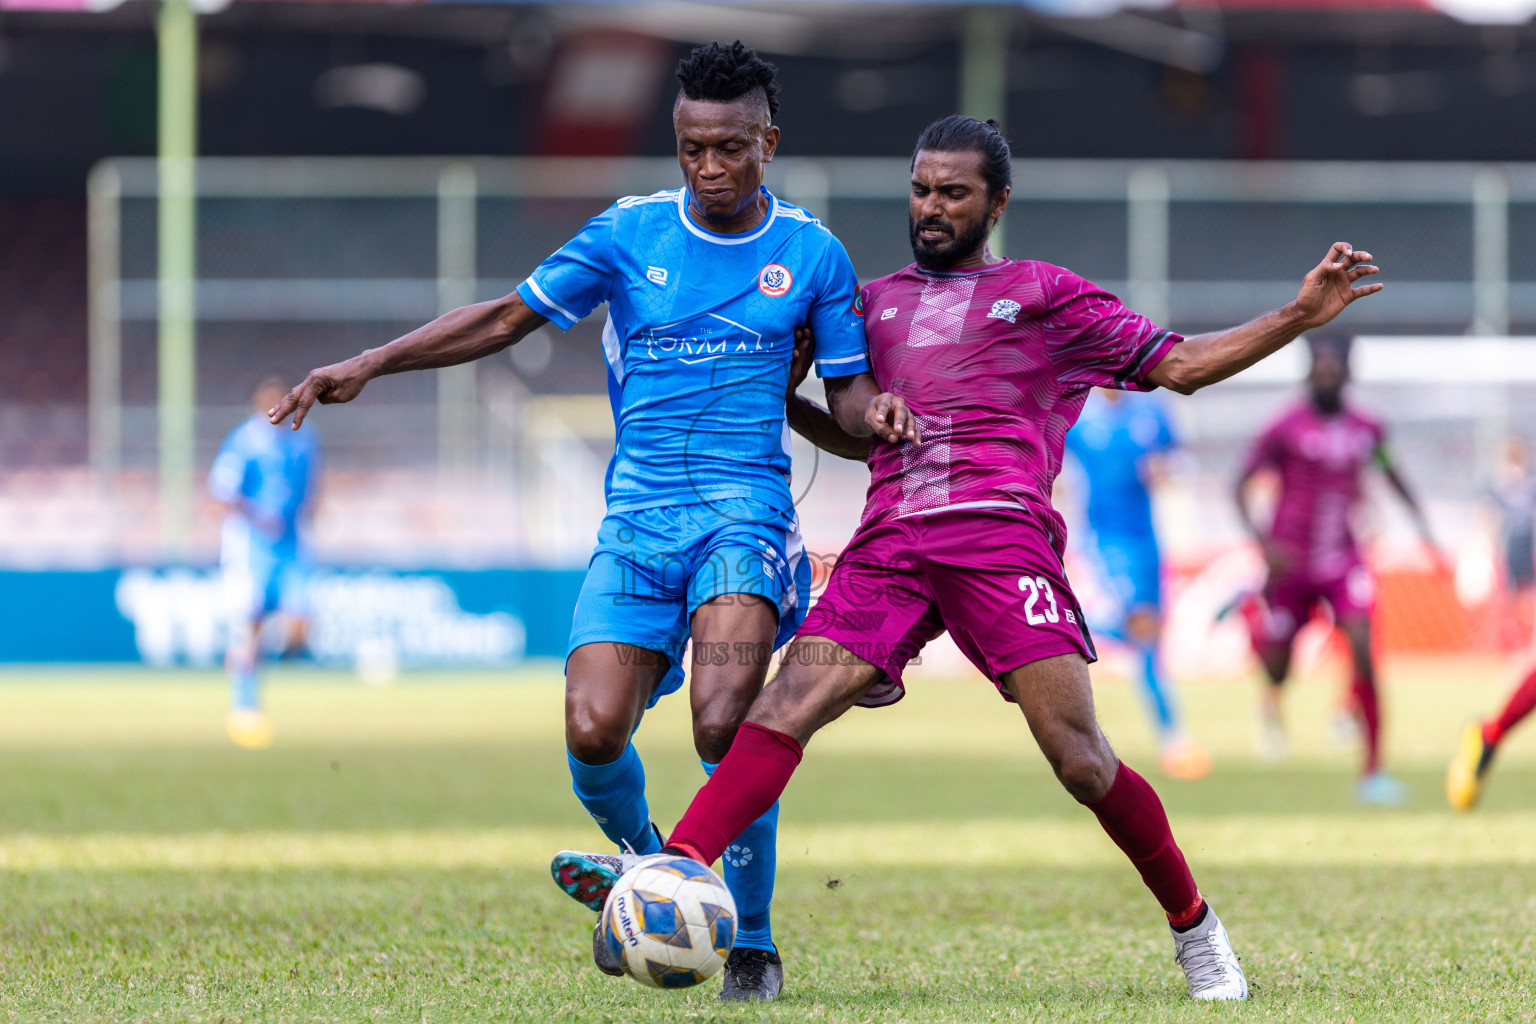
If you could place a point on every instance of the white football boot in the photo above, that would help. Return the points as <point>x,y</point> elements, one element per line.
<point>1210,967</point>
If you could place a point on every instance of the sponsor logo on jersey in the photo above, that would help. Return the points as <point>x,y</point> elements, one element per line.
<point>858,302</point>
<point>886,314</point>
<point>656,275</point>
<point>774,280</point>
<point>1005,309</point>
<point>699,339</point>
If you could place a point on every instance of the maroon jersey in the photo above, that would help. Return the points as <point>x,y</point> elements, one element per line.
<point>995,363</point>
<point>1320,460</point>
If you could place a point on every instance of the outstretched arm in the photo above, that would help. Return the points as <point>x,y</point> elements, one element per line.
<point>1208,358</point>
<point>459,336</point>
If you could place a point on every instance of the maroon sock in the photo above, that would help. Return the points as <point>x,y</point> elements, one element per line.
<point>1519,705</point>
<point>1134,818</point>
<point>749,779</point>
<point>1369,707</point>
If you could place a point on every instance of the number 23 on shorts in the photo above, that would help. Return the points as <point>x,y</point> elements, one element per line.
<point>1036,587</point>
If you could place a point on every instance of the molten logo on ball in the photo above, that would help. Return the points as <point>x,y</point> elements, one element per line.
<point>670,922</point>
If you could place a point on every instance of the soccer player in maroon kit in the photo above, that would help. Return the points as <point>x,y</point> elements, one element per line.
<point>980,365</point>
<point>1320,447</point>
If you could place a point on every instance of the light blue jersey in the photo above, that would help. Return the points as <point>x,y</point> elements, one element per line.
<point>1111,441</point>
<point>698,341</point>
<point>266,475</point>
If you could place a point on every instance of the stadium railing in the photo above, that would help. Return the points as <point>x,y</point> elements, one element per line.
<point>305,260</point>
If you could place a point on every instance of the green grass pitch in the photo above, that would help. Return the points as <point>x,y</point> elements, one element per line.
<point>387,860</point>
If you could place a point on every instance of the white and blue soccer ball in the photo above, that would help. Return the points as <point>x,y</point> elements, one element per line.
<point>670,921</point>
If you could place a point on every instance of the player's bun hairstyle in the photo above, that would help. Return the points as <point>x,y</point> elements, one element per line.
<point>960,134</point>
<point>1329,343</point>
<point>719,74</point>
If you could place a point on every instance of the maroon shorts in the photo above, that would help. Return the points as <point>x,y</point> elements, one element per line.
<point>989,576</point>
<point>1291,598</point>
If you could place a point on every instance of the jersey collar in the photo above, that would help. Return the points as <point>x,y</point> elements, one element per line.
<point>723,239</point>
<point>962,273</point>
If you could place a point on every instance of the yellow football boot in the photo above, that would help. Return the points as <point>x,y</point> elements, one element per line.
<point>249,728</point>
<point>1464,778</point>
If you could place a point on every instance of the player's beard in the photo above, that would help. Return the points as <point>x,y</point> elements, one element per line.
<point>948,252</point>
<point>1329,401</point>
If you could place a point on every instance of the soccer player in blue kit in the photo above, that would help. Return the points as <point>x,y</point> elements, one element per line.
<point>265,479</point>
<point>1120,441</point>
<point>706,286</point>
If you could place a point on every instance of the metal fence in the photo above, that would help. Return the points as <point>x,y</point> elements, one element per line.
<point>307,260</point>
<point>302,260</point>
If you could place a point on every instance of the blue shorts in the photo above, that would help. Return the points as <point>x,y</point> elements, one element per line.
<point>260,576</point>
<point>1132,570</point>
<point>654,567</point>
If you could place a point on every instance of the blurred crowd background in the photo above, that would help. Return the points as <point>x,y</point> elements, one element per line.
<point>361,167</point>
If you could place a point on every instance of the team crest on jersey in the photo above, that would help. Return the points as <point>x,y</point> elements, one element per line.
<point>1005,309</point>
<point>774,280</point>
<point>858,302</point>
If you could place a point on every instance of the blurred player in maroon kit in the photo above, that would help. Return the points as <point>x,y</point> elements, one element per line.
<point>980,365</point>
<point>1320,447</point>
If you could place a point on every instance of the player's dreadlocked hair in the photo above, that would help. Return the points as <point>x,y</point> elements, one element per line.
<point>720,74</point>
<point>960,134</point>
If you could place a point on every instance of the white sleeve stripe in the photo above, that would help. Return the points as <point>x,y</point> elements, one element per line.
<point>656,197</point>
<point>843,359</point>
<point>551,303</point>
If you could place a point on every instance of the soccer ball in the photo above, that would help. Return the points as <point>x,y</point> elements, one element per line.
<point>670,921</point>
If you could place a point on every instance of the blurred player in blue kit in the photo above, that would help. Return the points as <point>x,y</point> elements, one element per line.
<point>706,286</point>
<point>264,476</point>
<point>1122,441</point>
